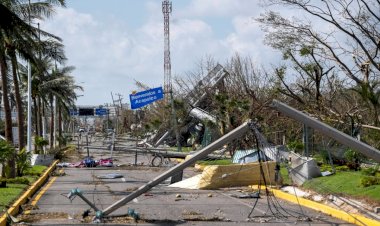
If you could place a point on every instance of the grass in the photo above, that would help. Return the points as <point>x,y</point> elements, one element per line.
<point>183,149</point>
<point>215,162</point>
<point>10,193</point>
<point>13,191</point>
<point>344,183</point>
<point>285,175</point>
<point>35,170</point>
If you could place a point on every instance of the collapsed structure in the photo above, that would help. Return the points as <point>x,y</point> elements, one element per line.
<point>197,116</point>
<point>300,172</point>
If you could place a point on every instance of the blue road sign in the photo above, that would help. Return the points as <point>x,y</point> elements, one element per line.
<point>143,98</point>
<point>101,111</point>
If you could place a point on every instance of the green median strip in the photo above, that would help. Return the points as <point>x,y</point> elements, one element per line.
<point>14,207</point>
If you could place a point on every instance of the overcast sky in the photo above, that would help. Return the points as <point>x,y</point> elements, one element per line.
<point>113,42</point>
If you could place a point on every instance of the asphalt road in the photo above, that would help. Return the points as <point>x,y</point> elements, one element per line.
<point>162,205</point>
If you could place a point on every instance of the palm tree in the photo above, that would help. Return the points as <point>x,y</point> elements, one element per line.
<point>15,32</point>
<point>10,26</point>
<point>60,85</point>
<point>48,84</point>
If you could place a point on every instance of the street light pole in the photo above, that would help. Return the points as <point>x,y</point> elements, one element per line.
<point>29,115</point>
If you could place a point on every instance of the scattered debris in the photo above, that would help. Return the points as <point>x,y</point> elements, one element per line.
<point>189,183</point>
<point>86,213</point>
<point>64,164</point>
<point>106,162</point>
<point>58,173</point>
<point>132,213</point>
<point>12,218</point>
<point>326,173</point>
<point>29,207</point>
<point>110,176</point>
<point>181,199</point>
<point>255,195</point>
<point>295,191</point>
<point>131,189</point>
<point>191,213</point>
<point>317,198</point>
<point>33,217</point>
<point>87,162</point>
<point>119,220</point>
<point>202,218</point>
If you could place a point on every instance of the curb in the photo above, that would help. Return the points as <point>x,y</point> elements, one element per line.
<point>15,207</point>
<point>339,214</point>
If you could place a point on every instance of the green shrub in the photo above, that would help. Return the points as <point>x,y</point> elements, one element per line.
<point>17,180</point>
<point>40,142</point>
<point>62,140</point>
<point>6,151</point>
<point>342,168</point>
<point>367,181</point>
<point>353,159</point>
<point>371,171</point>
<point>325,167</point>
<point>322,156</point>
<point>295,146</point>
<point>23,159</point>
<point>57,152</point>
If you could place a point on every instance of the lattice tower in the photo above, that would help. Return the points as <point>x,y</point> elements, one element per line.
<point>166,10</point>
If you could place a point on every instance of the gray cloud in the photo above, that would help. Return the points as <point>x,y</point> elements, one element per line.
<point>108,55</point>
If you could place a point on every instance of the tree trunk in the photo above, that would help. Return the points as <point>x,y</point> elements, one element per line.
<point>20,112</point>
<point>44,120</point>
<point>59,124</point>
<point>35,118</point>
<point>3,184</point>
<point>376,114</point>
<point>7,111</point>
<point>51,122</point>
<point>40,107</point>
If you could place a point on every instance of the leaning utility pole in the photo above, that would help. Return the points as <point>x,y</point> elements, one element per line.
<point>327,130</point>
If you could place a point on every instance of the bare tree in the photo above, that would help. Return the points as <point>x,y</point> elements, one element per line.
<point>338,37</point>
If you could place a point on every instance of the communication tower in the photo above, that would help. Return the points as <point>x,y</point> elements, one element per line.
<point>166,10</point>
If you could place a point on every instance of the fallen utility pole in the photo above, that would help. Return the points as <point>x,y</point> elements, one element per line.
<point>234,134</point>
<point>339,136</point>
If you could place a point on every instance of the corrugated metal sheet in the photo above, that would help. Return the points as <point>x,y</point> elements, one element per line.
<point>240,154</point>
<point>271,152</point>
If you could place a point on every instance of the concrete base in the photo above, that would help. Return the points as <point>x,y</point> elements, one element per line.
<point>303,169</point>
<point>43,160</point>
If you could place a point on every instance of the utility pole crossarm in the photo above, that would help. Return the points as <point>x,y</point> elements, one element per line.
<point>325,129</point>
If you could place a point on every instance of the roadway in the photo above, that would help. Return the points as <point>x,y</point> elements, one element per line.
<point>162,205</point>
